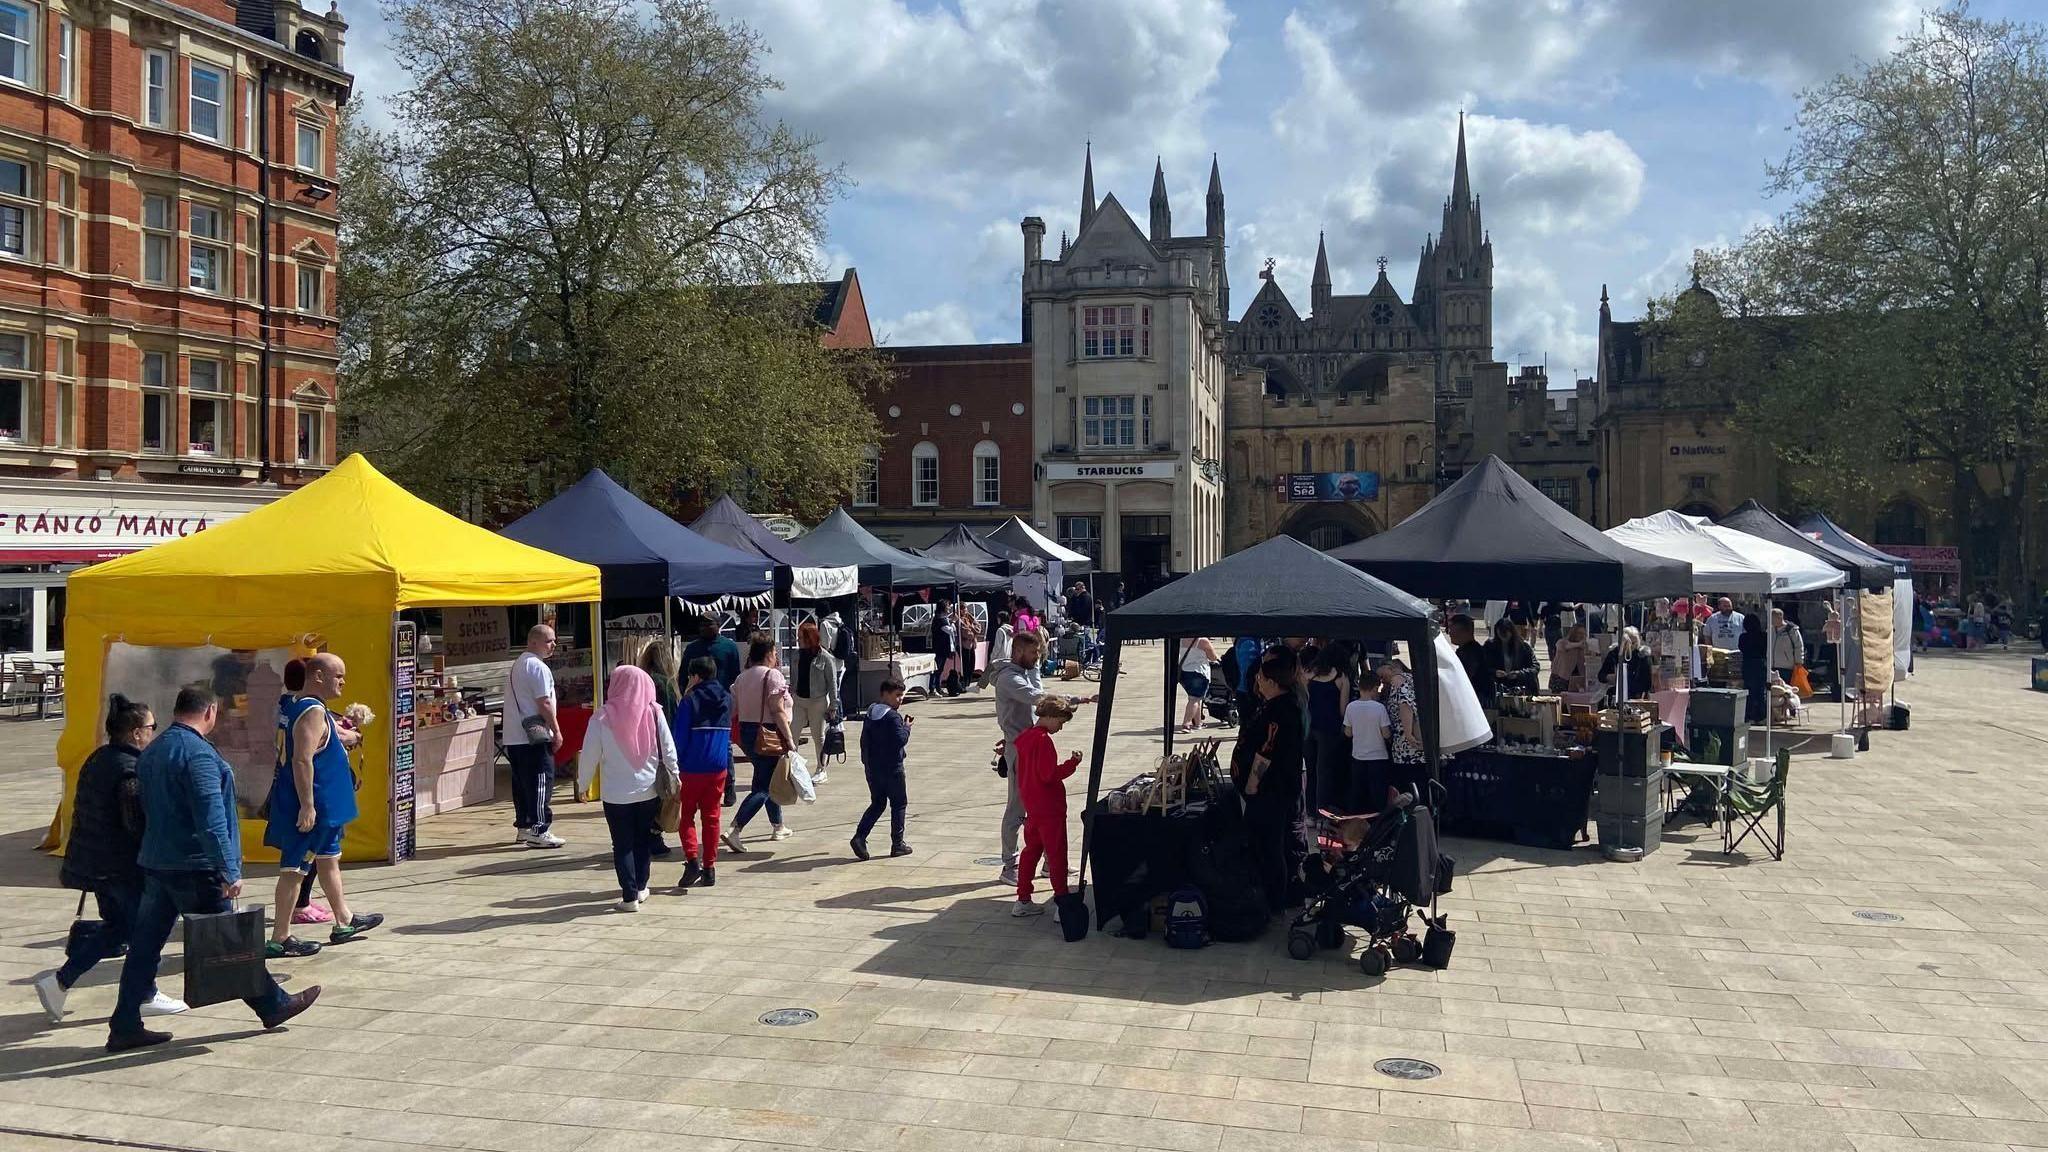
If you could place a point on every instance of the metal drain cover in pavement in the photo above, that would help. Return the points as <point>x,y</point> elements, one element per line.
<point>1402,1068</point>
<point>788,1017</point>
<point>1879,917</point>
<point>988,861</point>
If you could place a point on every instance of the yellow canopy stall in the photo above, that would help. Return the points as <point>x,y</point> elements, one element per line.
<point>324,568</point>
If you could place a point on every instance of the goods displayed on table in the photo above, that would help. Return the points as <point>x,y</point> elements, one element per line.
<point>1527,720</point>
<point>1180,779</point>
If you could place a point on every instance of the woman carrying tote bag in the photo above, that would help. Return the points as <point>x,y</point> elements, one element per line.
<point>632,757</point>
<point>761,704</point>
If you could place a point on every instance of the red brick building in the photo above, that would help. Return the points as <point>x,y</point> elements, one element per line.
<point>956,442</point>
<point>168,208</point>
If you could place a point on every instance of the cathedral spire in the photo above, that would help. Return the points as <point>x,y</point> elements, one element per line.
<point>1319,287</point>
<point>1605,314</point>
<point>1215,222</point>
<point>1162,215</point>
<point>1087,185</point>
<point>1461,180</point>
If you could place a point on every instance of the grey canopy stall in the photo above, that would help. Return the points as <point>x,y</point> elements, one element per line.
<point>838,541</point>
<point>961,546</point>
<point>1279,588</point>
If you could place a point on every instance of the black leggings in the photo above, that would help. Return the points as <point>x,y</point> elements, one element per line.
<point>632,829</point>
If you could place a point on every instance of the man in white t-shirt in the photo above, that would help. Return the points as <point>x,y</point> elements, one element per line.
<point>1367,723</point>
<point>530,698</point>
<point>1724,627</point>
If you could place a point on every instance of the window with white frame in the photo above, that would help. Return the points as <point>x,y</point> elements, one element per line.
<point>17,208</point>
<point>63,366</point>
<point>207,96</point>
<point>924,475</point>
<point>156,87</point>
<point>1116,422</point>
<point>209,254</point>
<point>311,278</point>
<point>1116,330</point>
<point>310,422</point>
<point>309,150</point>
<point>988,474</point>
<point>14,387</point>
<point>158,241</point>
<point>867,489</point>
<point>17,42</point>
<point>206,410</point>
<point>248,114</point>
<point>156,402</point>
<point>67,219</point>
<point>67,59</point>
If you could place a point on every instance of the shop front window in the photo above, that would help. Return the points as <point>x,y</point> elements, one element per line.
<point>17,616</point>
<point>1083,534</point>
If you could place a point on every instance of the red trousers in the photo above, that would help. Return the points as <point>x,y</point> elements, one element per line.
<point>702,794</point>
<point>1045,834</point>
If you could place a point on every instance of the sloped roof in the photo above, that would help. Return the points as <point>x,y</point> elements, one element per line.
<point>638,548</point>
<point>839,541</point>
<point>729,524</point>
<point>1758,520</point>
<point>1280,587</point>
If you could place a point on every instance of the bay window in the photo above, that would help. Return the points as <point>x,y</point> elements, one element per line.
<point>1116,422</point>
<point>17,42</point>
<point>209,256</point>
<point>17,209</point>
<point>156,87</point>
<point>207,103</point>
<point>156,402</point>
<point>14,388</point>
<point>206,410</point>
<point>1116,330</point>
<point>156,239</point>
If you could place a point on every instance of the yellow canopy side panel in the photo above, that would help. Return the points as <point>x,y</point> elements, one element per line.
<point>362,641</point>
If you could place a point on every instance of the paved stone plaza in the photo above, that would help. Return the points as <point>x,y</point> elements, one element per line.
<point>1688,1000</point>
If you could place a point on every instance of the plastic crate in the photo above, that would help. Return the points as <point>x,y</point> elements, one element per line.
<point>1537,801</point>
<point>1714,708</point>
<point>1638,796</point>
<point>1710,744</point>
<point>1630,753</point>
<point>1630,832</point>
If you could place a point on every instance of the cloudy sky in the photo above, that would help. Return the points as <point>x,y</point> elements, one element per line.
<point>1608,138</point>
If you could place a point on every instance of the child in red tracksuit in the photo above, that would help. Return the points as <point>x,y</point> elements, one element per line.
<point>1042,786</point>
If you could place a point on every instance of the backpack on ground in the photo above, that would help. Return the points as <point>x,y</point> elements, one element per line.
<point>1187,919</point>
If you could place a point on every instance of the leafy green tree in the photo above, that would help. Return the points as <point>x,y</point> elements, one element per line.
<point>548,255</point>
<point>1890,326</point>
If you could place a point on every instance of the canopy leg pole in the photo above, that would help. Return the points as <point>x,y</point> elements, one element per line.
<point>1841,665</point>
<point>1770,706</point>
<point>1097,750</point>
<point>1168,649</point>
<point>596,654</point>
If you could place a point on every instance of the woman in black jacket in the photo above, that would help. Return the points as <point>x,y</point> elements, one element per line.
<point>1755,647</point>
<point>106,836</point>
<point>1628,654</point>
<point>1511,661</point>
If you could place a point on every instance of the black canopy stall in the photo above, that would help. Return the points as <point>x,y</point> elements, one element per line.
<point>1869,574</point>
<point>839,541</point>
<point>1281,587</point>
<point>961,546</point>
<point>1495,536</point>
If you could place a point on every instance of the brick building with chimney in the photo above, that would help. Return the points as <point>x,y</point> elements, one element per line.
<point>168,212</point>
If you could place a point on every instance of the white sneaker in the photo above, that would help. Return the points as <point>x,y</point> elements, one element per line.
<point>544,840</point>
<point>1023,908</point>
<point>522,836</point>
<point>732,841</point>
<point>784,832</point>
<point>643,896</point>
<point>163,1004</point>
<point>627,906</point>
<point>1009,875</point>
<point>818,777</point>
<point>52,995</point>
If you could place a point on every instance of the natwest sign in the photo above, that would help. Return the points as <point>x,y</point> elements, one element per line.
<point>59,535</point>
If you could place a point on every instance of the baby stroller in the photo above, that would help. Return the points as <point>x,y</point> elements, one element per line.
<point>1394,871</point>
<point>1221,701</point>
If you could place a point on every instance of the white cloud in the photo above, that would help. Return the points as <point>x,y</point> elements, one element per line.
<point>1534,321</point>
<point>948,103</point>
<point>947,323</point>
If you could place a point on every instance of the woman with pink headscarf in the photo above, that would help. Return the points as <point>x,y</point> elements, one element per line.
<point>629,749</point>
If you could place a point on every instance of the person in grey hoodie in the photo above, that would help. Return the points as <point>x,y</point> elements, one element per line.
<point>1018,691</point>
<point>883,737</point>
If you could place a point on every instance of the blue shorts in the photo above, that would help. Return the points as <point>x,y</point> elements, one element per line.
<point>297,850</point>
<point>1194,684</point>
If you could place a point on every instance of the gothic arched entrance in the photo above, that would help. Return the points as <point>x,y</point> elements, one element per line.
<point>1327,526</point>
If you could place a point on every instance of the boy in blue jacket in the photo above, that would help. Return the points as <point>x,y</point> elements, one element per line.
<point>883,738</point>
<point>703,733</point>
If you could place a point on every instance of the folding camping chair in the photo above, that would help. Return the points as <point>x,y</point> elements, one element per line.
<point>1754,803</point>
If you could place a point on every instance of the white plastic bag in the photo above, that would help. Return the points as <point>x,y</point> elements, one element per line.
<point>800,773</point>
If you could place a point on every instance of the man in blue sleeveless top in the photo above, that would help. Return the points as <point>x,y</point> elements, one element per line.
<point>311,799</point>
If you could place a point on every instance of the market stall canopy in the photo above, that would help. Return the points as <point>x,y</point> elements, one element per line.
<point>1281,587</point>
<point>839,542</point>
<point>1724,560</point>
<point>970,578</point>
<point>638,548</point>
<point>1758,520</point>
<point>1015,533</point>
<point>961,546</point>
<point>349,541</point>
<point>1494,536</point>
<point>733,526</point>
<point>1835,536</point>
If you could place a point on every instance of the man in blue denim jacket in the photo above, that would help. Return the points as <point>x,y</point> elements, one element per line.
<point>191,860</point>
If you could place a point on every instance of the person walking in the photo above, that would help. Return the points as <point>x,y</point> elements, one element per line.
<point>312,799</point>
<point>532,734</point>
<point>1197,658</point>
<point>1788,646</point>
<point>703,739</point>
<point>99,857</point>
<point>946,648</point>
<point>761,700</point>
<point>998,649</point>
<point>1043,782</point>
<point>658,660</point>
<point>1755,648</point>
<point>633,757</point>
<point>816,698</point>
<point>719,647</point>
<point>883,737</point>
<point>191,859</point>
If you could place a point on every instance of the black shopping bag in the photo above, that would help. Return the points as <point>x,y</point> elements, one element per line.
<point>224,957</point>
